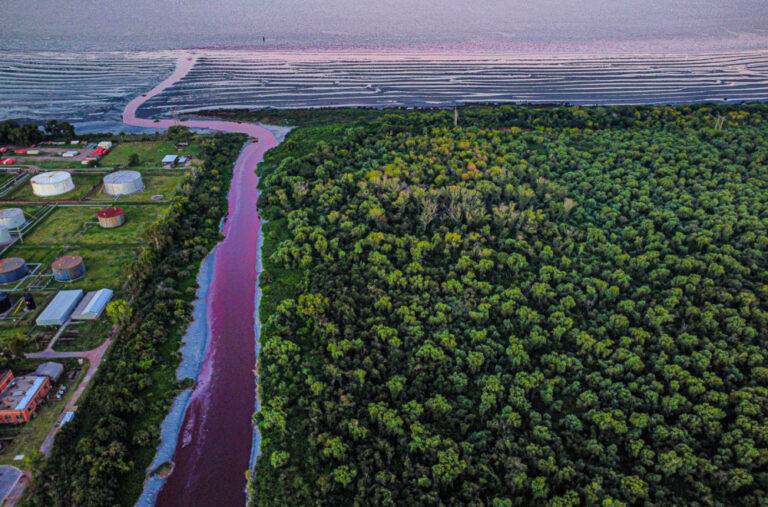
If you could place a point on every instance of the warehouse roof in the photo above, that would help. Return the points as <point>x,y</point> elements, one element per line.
<point>21,391</point>
<point>92,305</point>
<point>60,308</point>
<point>51,370</point>
<point>170,159</point>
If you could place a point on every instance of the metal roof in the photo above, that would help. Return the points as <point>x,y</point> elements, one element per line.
<point>11,212</point>
<point>10,264</point>
<point>110,212</point>
<point>67,262</point>
<point>51,177</point>
<point>50,369</point>
<point>122,177</point>
<point>92,305</point>
<point>60,307</point>
<point>169,159</point>
<point>23,402</point>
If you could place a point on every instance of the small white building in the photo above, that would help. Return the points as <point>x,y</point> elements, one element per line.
<point>70,154</point>
<point>170,159</point>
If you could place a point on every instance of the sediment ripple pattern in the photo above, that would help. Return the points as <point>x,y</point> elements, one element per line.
<point>77,87</point>
<point>241,79</point>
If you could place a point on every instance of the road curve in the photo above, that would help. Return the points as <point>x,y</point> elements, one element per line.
<point>213,448</point>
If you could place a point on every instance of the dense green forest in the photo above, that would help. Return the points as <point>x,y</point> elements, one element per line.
<point>101,456</point>
<point>542,305</point>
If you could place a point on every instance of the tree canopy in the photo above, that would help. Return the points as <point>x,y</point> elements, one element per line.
<point>562,305</point>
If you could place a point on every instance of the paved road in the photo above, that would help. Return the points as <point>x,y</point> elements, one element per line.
<point>95,357</point>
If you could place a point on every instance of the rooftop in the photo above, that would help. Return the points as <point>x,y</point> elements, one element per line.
<point>20,392</point>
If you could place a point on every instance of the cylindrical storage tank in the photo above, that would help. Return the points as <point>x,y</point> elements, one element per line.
<point>5,235</point>
<point>5,302</point>
<point>12,269</point>
<point>68,268</point>
<point>111,217</point>
<point>52,183</point>
<point>123,183</point>
<point>12,218</point>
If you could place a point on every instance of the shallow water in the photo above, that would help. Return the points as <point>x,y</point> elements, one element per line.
<point>91,89</point>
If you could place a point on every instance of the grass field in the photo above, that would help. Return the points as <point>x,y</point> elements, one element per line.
<point>30,436</point>
<point>83,184</point>
<point>105,265</point>
<point>150,153</point>
<point>77,225</point>
<point>165,185</point>
<point>84,335</point>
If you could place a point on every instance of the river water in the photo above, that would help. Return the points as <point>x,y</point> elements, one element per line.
<point>215,443</point>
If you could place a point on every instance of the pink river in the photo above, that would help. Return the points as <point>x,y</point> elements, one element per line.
<point>214,447</point>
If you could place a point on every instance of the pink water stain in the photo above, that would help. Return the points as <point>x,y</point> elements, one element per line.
<point>215,442</point>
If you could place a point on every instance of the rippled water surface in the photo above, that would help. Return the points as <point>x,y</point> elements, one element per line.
<point>91,89</point>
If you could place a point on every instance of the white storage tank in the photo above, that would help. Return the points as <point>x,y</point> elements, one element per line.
<point>123,183</point>
<point>12,218</point>
<point>52,183</point>
<point>5,235</point>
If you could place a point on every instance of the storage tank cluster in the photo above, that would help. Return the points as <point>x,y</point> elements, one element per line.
<point>111,217</point>
<point>52,183</point>
<point>12,218</point>
<point>123,183</point>
<point>68,268</point>
<point>12,269</point>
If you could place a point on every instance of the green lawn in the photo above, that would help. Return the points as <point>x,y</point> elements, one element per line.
<point>32,434</point>
<point>150,153</point>
<point>77,225</point>
<point>164,185</point>
<point>105,266</point>
<point>84,335</point>
<point>83,184</point>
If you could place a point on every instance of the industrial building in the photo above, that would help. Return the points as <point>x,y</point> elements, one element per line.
<point>12,269</point>
<point>12,218</point>
<point>52,183</point>
<point>111,217</point>
<point>123,183</point>
<point>60,308</point>
<point>92,305</point>
<point>52,370</point>
<point>169,160</point>
<point>5,235</point>
<point>21,397</point>
<point>68,268</point>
